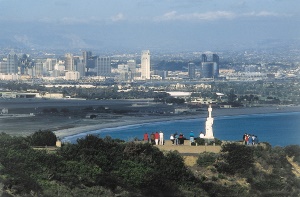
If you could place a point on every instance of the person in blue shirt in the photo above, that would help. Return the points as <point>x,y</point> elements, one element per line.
<point>192,136</point>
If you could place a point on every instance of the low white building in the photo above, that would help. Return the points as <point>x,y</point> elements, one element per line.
<point>72,75</point>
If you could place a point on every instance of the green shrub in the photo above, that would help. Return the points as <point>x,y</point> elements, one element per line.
<point>43,138</point>
<point>293,151</point>
<point>221,176</point>
<point>214,178</point>
<point>200,141</point>
<point>236,158</point>
<point>206,159</point>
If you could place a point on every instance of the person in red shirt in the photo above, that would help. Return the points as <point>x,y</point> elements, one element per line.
<point>156,138</point>
<point>146,137</point>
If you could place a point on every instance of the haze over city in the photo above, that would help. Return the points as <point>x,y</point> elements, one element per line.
<point>165,25</point>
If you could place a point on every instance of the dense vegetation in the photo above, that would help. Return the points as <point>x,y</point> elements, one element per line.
<point>107,167</point>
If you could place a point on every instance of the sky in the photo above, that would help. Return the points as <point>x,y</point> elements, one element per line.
<point>162,25</point>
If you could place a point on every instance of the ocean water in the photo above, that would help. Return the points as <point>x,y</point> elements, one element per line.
<point>278,129</point>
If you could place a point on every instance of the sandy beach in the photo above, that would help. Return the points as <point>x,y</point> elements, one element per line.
<point>130,120</point>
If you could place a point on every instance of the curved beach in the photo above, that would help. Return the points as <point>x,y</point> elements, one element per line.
<point>130,120</point>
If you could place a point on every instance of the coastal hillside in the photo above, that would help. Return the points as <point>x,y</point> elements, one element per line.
<point>97,166</point>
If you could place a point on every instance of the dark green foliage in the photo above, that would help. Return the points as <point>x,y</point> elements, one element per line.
<point>43,138</point>
<point>206,159</point>
<point>293,151</point>
<point>200,141</point>
<point>107,167</point>
<point>235,158</point>
<point>216,190</point>
<point>218,142</point>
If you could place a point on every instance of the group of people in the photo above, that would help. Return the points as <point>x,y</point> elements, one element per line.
<point>155,138</point>
<point>177,139</point>
<point>250,139</point>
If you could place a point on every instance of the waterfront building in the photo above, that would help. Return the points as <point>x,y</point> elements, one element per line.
<point>207,69</point>
<point>210,69</point>
<point>145,65</point>
<point>103,66</point>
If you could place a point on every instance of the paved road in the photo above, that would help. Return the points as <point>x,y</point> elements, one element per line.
<point>36,103</point>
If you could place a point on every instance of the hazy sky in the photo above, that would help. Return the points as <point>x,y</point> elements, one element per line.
<point>148,24</point>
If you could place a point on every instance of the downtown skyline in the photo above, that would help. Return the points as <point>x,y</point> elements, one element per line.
<point>167,25</point>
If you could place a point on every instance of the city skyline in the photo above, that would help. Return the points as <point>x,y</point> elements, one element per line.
<point>171,25</point>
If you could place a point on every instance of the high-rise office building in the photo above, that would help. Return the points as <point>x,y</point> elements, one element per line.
<point>132,69</point>
<point>50,63</point>
<point>210,69</point>
<point>79,66</point>
<point>86,55</point>
<point>69,62</point>
<point>12,63</point>
<point>3,67</point>
<point>216,65</point>
<point>38,69</point>
<point>103,66</point>
<point>191,70</point>
<point>145,65</point>
<point>207,69</point>
<point>203,58</point>
<point>215,58</point>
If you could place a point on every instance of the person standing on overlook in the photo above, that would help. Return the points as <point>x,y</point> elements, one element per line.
<point>244,138</point>
<point>181,140</point>
<point>176,138</point>
<point>201,135</point>
<point>146,137</point>
<point>172,139</point>
<point>156,137</point>
<point>192,136</point>
<point>161,138</point>
<point>152,136</point>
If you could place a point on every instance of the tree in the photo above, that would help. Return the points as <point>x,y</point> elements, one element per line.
<point>43,138</point>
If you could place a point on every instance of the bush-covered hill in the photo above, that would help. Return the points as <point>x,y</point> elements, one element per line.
<point>111,167</point>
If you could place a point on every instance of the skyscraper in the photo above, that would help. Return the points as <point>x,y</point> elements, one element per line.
<point>69,62</point>
<point>215,58</point>
<point>12,63</point>
<point>210,69</point>
<point>86,55</point>
<point>103,66</point>
<point>192,70</point>
<point>145,65</point>
<point>207,69</point>
<point>216,65</point>
<point>132,69</point>
<point>203,58</point>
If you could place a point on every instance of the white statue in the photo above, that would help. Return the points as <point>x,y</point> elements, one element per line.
<point>208,125</point>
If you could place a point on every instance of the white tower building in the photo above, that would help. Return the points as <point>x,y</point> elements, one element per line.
<point>145,65</point>
<point>208,125</point>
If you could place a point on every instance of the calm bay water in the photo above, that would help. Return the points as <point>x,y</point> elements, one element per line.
<point>279,129</point>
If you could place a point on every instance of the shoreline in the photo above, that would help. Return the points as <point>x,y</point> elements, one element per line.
<point>127,121</point>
